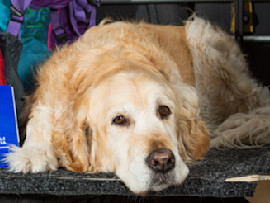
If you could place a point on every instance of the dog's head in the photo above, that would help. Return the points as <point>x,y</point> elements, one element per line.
<point>141,125</point>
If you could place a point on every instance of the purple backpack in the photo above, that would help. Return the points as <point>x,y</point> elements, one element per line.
<point>69,18</point>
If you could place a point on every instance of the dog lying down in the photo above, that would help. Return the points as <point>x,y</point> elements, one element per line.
<point>141,100</point>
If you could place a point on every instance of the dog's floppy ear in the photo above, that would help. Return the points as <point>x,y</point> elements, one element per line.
<point>80,138</point>
<point>193,136</point>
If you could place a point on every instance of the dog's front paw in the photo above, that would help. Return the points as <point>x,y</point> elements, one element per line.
<point>31,159</point>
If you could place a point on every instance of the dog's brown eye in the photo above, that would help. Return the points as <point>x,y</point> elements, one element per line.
<point>164,111</point>
<point>119,120</point>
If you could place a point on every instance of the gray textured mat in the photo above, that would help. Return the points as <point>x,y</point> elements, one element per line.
<point>205,179</point>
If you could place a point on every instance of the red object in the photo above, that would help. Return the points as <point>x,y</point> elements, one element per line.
<point>2,76</point>
<point>50,35</point>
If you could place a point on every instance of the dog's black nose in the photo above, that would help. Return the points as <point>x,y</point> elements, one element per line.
<point>161,160</point>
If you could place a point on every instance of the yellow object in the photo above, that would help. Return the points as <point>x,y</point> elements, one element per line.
<point>233,19</point>
<point>248,26</point>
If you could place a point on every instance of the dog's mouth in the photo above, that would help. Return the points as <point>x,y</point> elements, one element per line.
<point>160,181</point>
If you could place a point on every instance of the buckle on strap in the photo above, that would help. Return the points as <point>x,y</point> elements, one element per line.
<point>16,15</point>
<point>60,38</point>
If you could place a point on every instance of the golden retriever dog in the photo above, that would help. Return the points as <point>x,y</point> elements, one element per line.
<point>141,100</point>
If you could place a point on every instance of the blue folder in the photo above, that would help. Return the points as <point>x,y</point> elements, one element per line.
<point>8,122</point>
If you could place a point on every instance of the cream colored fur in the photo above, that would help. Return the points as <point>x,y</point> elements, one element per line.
<point>131,69</point>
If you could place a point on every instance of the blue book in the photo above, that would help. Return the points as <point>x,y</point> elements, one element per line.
<point>8,122</point>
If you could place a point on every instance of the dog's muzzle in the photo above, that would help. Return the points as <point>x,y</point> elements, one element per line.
<point>161,160</point>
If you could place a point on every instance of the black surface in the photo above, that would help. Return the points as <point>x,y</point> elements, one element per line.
<point>206,179</point>
<point>258,60</point>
